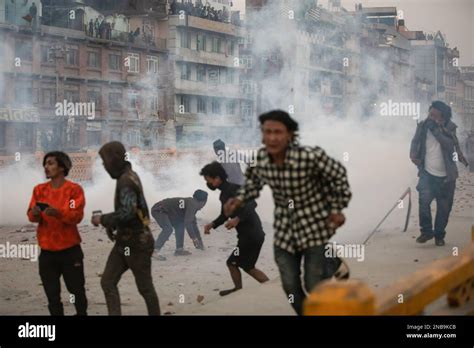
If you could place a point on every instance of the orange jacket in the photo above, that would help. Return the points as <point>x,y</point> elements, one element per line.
<point>58,233</point>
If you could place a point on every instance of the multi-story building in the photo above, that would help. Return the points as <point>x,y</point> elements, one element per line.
<point>205,71</point>
<point>122,73</point>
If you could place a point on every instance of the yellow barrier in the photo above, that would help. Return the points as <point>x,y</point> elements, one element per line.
<point>453,276</point>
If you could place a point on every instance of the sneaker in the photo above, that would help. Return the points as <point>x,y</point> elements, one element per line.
<point>439,241</point>
<point>158,257</point>
<point>423,238</point>
<point>198,244</point>
<point>181,252</point>
<point>342,272</point>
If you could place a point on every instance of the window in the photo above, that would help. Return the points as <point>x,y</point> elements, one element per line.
<point>246,110</point>
<point>23,136</point>
<point>152,64</point>
<point>201,105</point>
<point>24,50</point>
<point>115,100</point>
<point>93,59</point>
<point>230,76</point>
<point>93,96</point>
<point>216,44</point>
<point>134,137</point>
<point>134,63</point>
<point>201,42</point>
<point>133,100</point>
<point>184,103</point>
<point>201,73</point>
<point>93,138</point>
<point>230,107</point>
<point>71,96</point>
<point>23,95</point>
<point>232,47</point>
<point>154,103</point>
<point>48,96</point>
<point>216,106</point>
<point>213,76</point>
<point>72,55</point>
<point>47,54</point>
<point>185,71</point>
<point>114,62</point>
<point>185,39</point>
<point>3,128</point>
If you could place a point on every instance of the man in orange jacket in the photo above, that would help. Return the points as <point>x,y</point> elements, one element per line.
<point>58,207</point>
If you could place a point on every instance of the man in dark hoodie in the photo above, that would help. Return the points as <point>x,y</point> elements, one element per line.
<point>247,223</point>
<point>435,151</point>
<point>179,213</point>
<point>134,242</point>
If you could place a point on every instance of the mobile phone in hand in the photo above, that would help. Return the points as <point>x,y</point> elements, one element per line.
<point>42,205</point>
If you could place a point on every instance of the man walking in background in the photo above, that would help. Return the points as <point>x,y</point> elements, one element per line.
<point>435,151</point>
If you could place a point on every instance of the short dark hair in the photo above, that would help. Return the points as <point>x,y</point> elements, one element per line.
<point>444,108</point>
<point>200,195</point>
<point>62,158</point>
<point>280,116</point>
<point>214,170</point>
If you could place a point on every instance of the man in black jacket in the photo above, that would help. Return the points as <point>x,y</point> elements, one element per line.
<point>247,223</point>
<point>133,240</point>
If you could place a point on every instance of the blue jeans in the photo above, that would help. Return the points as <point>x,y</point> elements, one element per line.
<point>316,268</point>
<point>432,187</point>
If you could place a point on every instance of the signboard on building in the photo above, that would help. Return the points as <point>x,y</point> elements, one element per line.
<point>19,115</point>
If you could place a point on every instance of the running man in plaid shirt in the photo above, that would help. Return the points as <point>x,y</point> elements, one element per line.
<point>310,190</point>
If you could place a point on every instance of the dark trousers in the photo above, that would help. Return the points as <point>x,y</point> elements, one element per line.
<point>167,229</point>
<point>431,188</point>
<point>137,257</point>
<point>316,269</point>
<point>69,264</point>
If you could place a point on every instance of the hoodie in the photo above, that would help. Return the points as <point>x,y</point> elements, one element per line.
<point>130,215</point>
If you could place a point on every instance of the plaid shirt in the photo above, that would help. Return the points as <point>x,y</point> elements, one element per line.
<point>306,189</point>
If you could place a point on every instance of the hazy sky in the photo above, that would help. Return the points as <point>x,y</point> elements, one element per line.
<point>455,19</point>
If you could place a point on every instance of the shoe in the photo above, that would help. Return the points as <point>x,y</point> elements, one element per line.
<point>181,252</point>
<point>198,244</point>
<point>342,272</point>
<point>159,257</point>
<point>423,238</point>
<point>439,241</point>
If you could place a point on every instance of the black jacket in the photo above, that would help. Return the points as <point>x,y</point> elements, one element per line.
<point>446,136</point>
<point>250,226</point>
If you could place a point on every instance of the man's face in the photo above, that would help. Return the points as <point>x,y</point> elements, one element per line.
<point>275,137</point>
<point>436,116</point>
<point>213,183</point>
<point>107,164</point>
<point>51,168</point>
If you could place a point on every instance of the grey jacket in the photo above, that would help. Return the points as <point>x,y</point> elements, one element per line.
<point>446,136</point>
